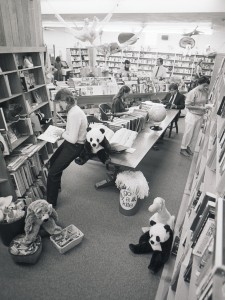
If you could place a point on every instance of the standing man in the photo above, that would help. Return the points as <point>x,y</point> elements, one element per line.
<point>159,71</point>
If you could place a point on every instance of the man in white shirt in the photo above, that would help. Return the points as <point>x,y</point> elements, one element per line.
<point>74,137</point>
<point>159,71</point>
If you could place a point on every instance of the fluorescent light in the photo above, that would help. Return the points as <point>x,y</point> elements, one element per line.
<point>154,27</point>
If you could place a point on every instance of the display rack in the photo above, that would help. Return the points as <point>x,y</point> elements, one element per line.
<point>196,268</point>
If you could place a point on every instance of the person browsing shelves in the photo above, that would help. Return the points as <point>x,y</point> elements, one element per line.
<point>159,71</point>
<point>197,105</point>
<point>74,137</point>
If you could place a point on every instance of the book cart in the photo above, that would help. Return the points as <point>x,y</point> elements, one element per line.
<point>196,269</point>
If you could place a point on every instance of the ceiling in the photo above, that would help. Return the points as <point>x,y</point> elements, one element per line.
<point>135,13</point>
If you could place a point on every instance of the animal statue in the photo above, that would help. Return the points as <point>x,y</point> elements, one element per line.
<point>160,214</point>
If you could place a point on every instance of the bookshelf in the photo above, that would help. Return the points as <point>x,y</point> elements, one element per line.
<point>77,58</point>
<point>143,61</point>
<point>196,267</point>
<point>24,102</point>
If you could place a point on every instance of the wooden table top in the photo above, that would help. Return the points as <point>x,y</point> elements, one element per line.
<point>143,143</point>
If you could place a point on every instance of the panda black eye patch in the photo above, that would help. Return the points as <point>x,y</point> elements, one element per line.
<point>91,139</point>
<point>98,140</point>
<point>158,239</point>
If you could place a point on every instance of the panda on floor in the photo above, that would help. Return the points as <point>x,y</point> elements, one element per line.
<point>96,144</point>
<point>158,240</point>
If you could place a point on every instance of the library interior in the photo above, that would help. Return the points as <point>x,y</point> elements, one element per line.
<point>112,125</point>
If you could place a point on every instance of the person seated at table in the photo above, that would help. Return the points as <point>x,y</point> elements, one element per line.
<point>174,99</point>
<point>118,105</point>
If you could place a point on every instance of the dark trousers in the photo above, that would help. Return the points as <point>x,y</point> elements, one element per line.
<point>59,161</point>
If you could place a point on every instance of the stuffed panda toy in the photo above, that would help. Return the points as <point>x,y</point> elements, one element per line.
<point>96,144</point>
<point>158,241</point>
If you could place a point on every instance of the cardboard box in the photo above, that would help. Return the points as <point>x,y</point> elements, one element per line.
<point>70,237</point>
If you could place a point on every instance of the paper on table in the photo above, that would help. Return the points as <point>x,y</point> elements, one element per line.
<point>130,150</point>
<point>51,134</point>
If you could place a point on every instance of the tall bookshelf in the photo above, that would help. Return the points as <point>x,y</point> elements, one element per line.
<point>24,101</point>
<point>197,264</point>
<point>77,58</point>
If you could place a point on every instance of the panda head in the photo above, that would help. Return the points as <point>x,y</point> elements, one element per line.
<point>95,136</point>
<point>159,233</point>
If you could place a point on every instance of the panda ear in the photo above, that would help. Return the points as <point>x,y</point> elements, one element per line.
<point>167,227</point>
<point>88,129</point>
<point>152,223</point>
<point>102,130</point>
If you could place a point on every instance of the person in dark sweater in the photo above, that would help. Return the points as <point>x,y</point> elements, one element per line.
<point>118,105</point>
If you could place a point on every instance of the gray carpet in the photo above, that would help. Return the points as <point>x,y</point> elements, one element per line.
<point>101,267</point>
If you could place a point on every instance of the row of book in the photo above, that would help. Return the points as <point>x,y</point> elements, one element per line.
<point>135,121</point>
<point>197,241</point>
<point>221,157</point>
<point>28,175</point>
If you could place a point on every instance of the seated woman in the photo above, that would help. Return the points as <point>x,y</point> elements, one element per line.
<point>118,105</point>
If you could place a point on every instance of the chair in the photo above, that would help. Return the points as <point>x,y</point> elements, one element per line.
<point>93,119</point>
<point>105,111</point>
<point>173,124</point>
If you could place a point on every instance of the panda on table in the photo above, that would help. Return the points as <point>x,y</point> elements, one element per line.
<point>96,144</point>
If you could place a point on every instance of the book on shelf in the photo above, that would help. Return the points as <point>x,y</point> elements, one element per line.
<point>188,270</point>
<point>207,233</point>
<point>13,162</point>
<point>4,145</point>
<point>205,263</point>
<point>185,257</point>
<point>12,135</point>
<point>198,224</point>
<point>18,182</point>
<point>51,134</point>
<point>37,98</point>
<point>24,178</point>
<point>36,125</point>
<point>221,109</point>
<point>7,85</point>
<point>3,124</point>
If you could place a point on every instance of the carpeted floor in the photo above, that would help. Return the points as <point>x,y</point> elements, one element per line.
<point>102,266</point>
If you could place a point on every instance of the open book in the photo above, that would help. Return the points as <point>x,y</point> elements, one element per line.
<point>51,134</point>
<point>120,140</point>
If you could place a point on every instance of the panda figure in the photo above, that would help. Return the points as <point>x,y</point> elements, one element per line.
<point>158,241</point>
<point>96,144</point>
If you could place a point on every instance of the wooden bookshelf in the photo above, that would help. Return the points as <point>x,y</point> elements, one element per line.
<point>23,96</point>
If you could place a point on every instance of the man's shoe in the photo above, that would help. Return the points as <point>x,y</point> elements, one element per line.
<point>189,151</point>
<point>184,152</point>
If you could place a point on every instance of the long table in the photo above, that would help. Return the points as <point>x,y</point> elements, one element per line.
<point>143,143</point>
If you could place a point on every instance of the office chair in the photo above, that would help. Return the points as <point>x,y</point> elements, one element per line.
<point>105,112</point>
<point>93,119</point>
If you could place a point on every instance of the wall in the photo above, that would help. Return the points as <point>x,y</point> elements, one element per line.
<point>63,40</point>
<point>20,24</point>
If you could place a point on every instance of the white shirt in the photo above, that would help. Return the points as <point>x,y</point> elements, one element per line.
<point>159,71</point>
<point>76,126</point>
